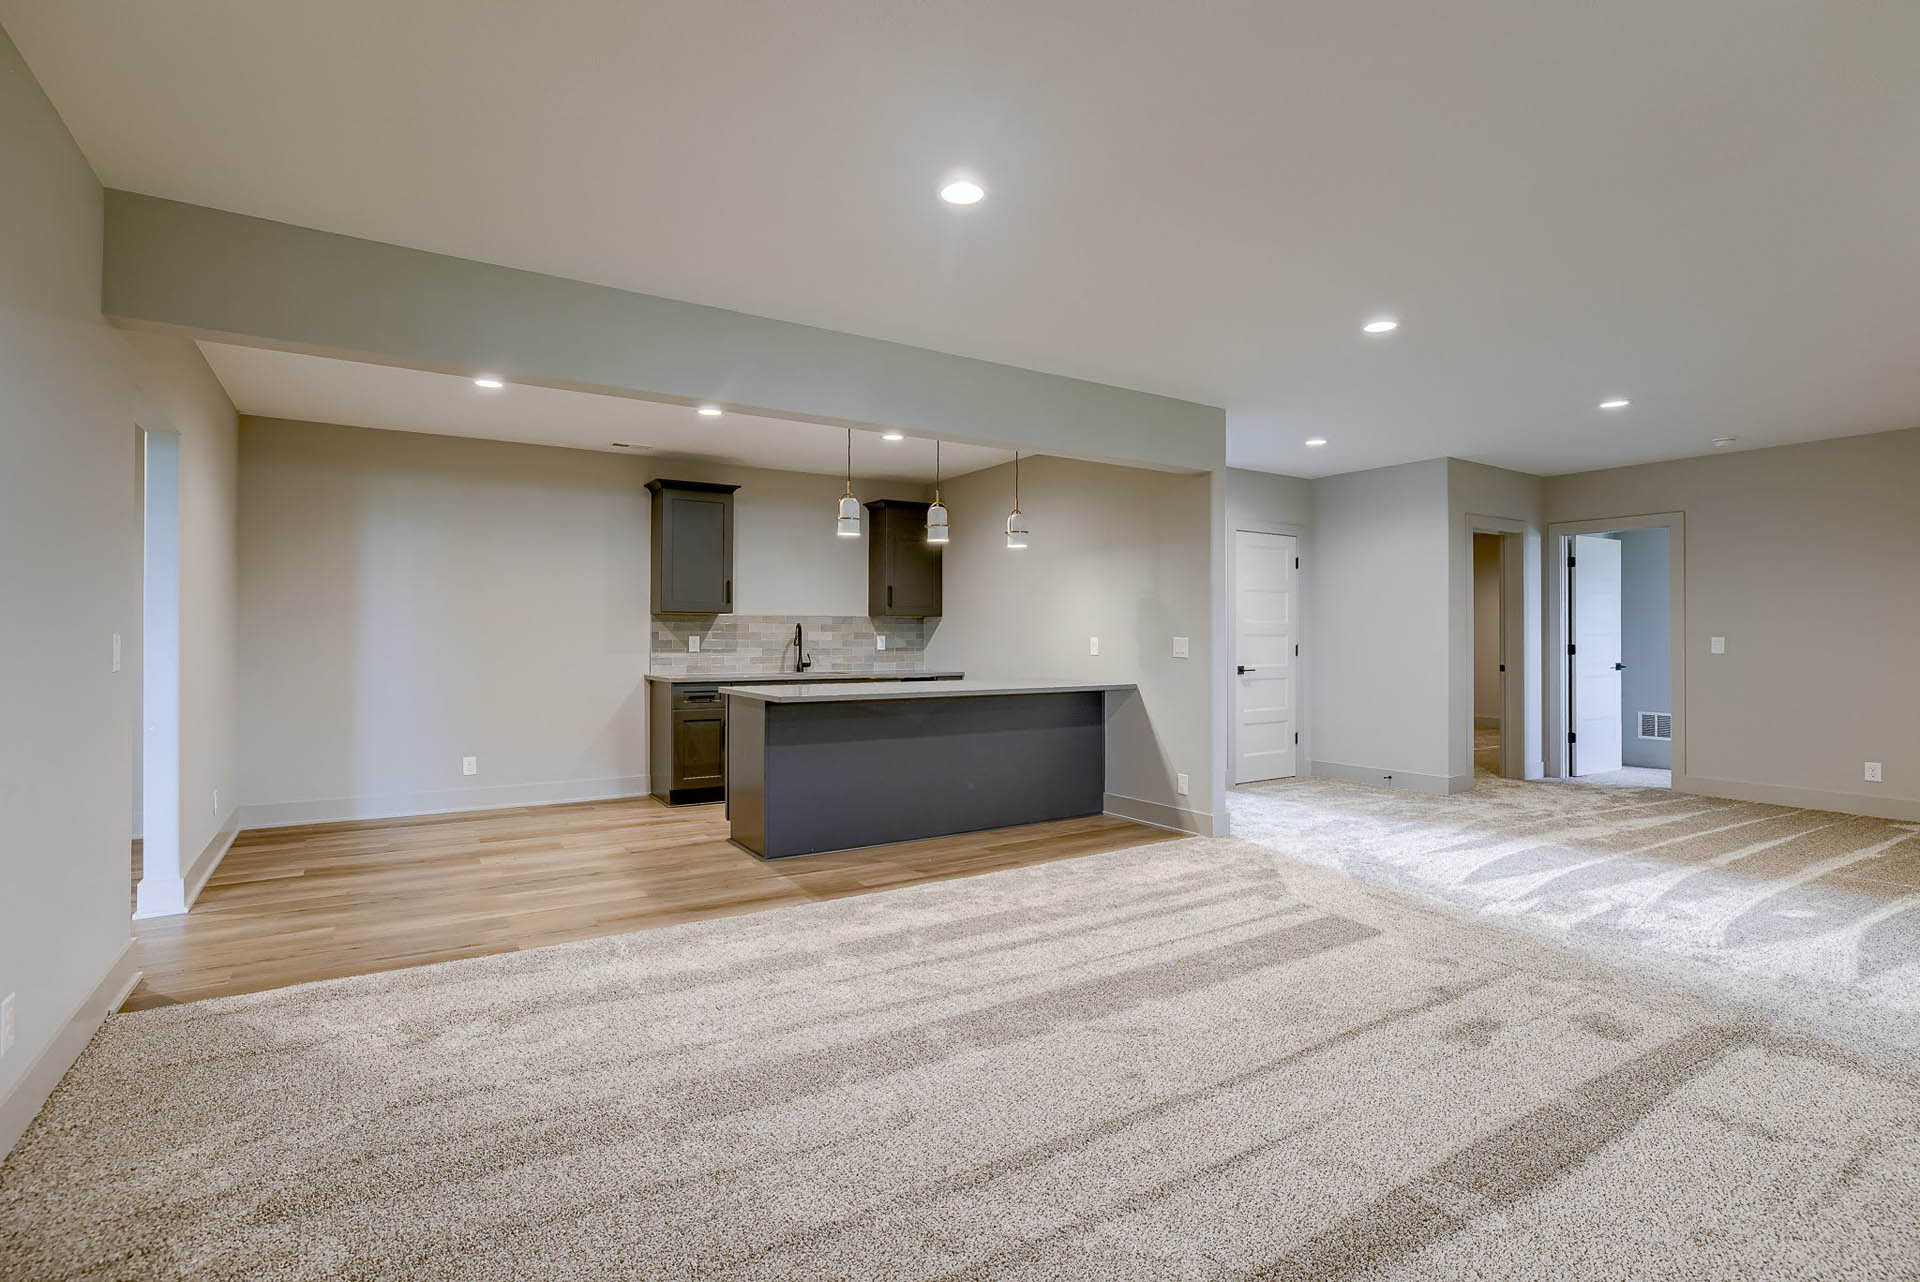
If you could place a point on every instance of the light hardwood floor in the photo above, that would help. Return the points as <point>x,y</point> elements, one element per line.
<point>288,905</point>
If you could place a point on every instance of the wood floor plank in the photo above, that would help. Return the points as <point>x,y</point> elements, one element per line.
<point>320,901</point>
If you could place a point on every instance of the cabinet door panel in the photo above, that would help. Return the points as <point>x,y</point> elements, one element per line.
<point>699,749</point>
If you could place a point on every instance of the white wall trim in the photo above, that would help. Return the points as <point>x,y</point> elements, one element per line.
<point>1385,778</point>
<point>23,1103</point>
<point>173,896</point>
<point>449,801</point>
<point>1556,631</point>
<point>1158,814</point>
<point>1846,803</point>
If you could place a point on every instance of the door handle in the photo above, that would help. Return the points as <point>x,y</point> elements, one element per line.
<point>1242,669</point>
<point>1619,667</point>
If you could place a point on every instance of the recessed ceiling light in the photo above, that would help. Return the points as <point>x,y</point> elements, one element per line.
<point>963,191</point>
<point>1617,403</point>
<point>1721,442</point>
<point>1380,325</point>
<point>709,411</point>
<point>489,382</point>
<point>894,436</point>
<point>1316,440</point>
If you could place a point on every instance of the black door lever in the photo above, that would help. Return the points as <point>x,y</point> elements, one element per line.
<point>1243,669</point>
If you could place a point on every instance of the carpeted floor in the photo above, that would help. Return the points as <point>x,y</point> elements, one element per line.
<point>1811,912</point>
<point>1193,1060</point>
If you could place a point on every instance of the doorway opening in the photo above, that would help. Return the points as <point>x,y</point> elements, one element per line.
<point>1489,656</point>
<point>1266,656</point>
<point>1619,661</point>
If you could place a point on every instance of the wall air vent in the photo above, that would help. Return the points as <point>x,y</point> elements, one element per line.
<point>1656,725</point>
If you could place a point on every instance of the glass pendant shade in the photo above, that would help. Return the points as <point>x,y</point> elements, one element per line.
<point>937,512</point>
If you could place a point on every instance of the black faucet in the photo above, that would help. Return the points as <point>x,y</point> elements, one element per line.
<point>800,660</point>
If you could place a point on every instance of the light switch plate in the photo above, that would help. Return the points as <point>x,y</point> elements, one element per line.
<point>116,652</point>
<point>1718,645</point>
<point>1180,648</point>
<point>1180,784</point>
<point>879,640</point>
<point>693,645</point>
<point>469,765</point>
<point>1093,645</point>
<point>6,1023</point>
<point>1873,772</point>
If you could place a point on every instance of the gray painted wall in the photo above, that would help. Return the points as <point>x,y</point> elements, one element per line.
<point>211,272</point>
<point>177,389</point>
<point>407,600</point>
<point>1804,558</point>
<point>1377,625</point>
<point>1646,640</point>
<point>68,538</point>
<point>1118,553</point>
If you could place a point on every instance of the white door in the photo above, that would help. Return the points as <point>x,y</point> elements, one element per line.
<point>1595,662</point>
<point>1264,635</point>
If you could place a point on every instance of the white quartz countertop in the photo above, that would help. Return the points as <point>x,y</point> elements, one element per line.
<point>871,691</point>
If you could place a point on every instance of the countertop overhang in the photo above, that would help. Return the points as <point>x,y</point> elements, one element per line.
<point>790,678</point>
<point>868,692</point>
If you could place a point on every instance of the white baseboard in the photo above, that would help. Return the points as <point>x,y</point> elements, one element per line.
<point>1439,784</point>
<point>1158,814</point>
<point>1846,803</point>
<point>22,1104</point>
<point>173,896</point>
<point>282,814</point>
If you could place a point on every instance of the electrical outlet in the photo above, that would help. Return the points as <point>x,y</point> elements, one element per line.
<point>116,652</point>
<point>1717,645</point>
<point>1180,783</point>
<point>1180,648</point>
<point>6,1023</point>
<point>1873,772</point>
<point>1093,645</point>
<point>879,640</point>
<point>693,645</point>
<point>216,803</point>
<point>469,765</point>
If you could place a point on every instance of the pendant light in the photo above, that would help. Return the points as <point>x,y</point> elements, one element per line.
<point>1016,519</point>
<point>937,513</point>
<point>848,524</point>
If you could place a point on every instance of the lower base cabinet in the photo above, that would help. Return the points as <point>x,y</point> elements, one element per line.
<point>687,735</point>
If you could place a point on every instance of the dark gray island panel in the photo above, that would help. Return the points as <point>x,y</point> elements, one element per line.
<point>832,774</point>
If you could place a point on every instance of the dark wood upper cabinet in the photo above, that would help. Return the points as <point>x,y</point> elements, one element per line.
<point>692,547</point>
<point>903,569</point>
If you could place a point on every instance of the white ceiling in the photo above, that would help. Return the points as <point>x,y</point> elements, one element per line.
<point>323,390</point>
<point>1707,206</point>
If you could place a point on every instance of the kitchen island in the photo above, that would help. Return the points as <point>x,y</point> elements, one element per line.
<point>816,767</point>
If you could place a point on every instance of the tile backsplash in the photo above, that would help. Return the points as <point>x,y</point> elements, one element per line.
<point>731,643</point>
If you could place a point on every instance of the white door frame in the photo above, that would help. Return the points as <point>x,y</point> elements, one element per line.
<point>1522,666</point>
<point>1559,535</point>
<point>1303,759</point>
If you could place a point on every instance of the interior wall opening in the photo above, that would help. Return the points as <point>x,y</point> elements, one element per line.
<point>1619,657</point>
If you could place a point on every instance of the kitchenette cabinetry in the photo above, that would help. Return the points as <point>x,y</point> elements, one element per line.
<point>692,547</point>
<point>903,569</point>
